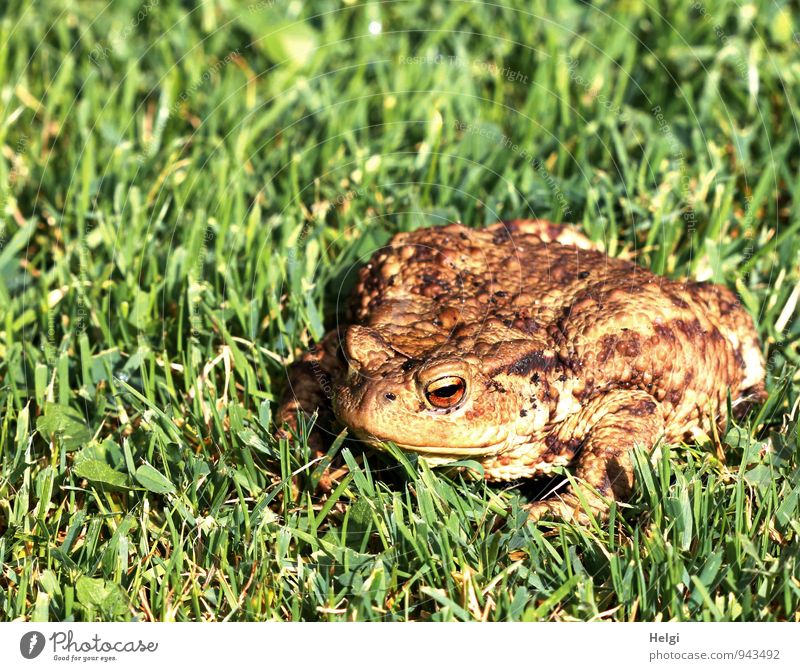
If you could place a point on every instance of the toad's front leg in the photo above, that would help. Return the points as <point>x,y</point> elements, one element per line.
<point>310,386</point>
<point>606,429</point>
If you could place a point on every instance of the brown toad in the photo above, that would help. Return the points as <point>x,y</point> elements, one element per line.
<point>523,347</point>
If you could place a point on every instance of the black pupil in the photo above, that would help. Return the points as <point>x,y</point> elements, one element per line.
<point>448,391</point>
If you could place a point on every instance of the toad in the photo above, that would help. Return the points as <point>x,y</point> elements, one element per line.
<point>525,348</point>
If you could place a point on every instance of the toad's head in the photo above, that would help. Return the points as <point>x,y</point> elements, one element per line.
<point>457,400</point>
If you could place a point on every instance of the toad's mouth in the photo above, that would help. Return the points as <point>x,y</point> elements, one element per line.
<point>433,451</point>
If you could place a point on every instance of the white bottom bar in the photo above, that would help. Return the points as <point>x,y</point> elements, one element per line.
<point>400,647</point>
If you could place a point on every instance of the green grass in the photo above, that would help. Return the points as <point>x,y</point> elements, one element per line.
<point>185,192</point>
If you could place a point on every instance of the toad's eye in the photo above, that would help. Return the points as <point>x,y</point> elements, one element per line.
<point>446,391</point>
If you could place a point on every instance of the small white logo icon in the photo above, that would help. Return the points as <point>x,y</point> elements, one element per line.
<point>31,644</point>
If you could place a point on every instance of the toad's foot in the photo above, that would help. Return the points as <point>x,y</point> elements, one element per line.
<point>607,429</point>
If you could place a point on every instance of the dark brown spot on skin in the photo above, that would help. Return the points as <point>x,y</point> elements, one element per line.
<point>725,308</point>
<point>501,236</point>
<point>607,347</point>
<point>573,445</point>
<point>691,330</point>
<point>535,378</point>
<point>523,412</point>
<point>682,326</point>
<point>552,443</point>
<point>583,274</point>
<point>389,396</point>
<point>530,362</point>
<point>678,302</point>
<point>664,332</point>
<point>494,385</point>
<point>408,365</point>
<point>573,363</point>
<point>629,346</point>
<point>556,446</point>
<point>643,408</point>
<point>525,324</point>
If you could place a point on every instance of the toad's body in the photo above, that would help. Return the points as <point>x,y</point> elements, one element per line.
<point>523,347</point>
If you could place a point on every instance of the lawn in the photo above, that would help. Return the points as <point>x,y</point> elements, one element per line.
<point>185,190</point>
